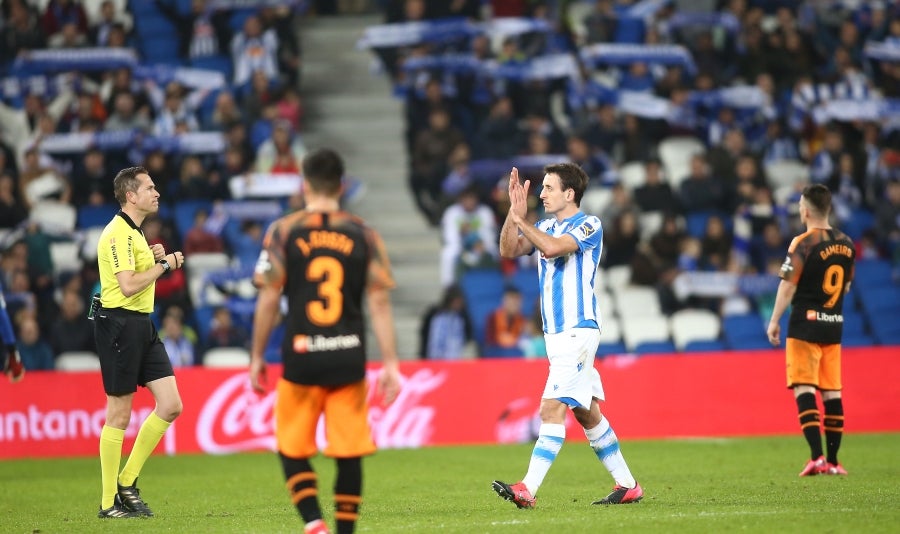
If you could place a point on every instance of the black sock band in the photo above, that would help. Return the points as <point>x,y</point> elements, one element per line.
<point>834,427</point>
<point>809,423</point>
<point>302,486</point>
<point>347,494</point>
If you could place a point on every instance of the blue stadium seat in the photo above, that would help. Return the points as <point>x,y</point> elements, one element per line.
<point>526,281</point>
<point>860,221</point>
<point>880,301</point>
<point>745,331</point>
<point>151,26</point>
<point>493,351</point>
<point>695,223</point>
<point>89,216</point>
<point>872,273</point>
<point>655,347</point>
<point>184,211</point>
<point>203,316</point>
<point>854,324</point>
<point>605,349</point>
<point>142,8</point>
<point>857,340</point>
<point>480,283</point>
<point>713,345</point>
<point>886,328</point>
<point>161,49</point>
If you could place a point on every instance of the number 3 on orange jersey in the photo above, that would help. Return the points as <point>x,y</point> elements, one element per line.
<point>329,274</point>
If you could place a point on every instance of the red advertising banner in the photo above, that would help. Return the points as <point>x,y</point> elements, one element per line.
<point>471,402</point>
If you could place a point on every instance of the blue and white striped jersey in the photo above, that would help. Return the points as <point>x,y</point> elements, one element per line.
<point>567,282</point>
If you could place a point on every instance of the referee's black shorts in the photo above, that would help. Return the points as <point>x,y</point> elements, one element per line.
<point>131,353</point>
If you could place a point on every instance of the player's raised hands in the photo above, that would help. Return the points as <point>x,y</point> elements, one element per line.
<point>518,195</point>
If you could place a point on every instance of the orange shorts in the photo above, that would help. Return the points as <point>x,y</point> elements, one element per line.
<point>298,409</point>
<point>813,364</point>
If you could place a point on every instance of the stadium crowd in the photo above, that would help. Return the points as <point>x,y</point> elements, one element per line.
<point>698,123</point>
<point>198,92</point>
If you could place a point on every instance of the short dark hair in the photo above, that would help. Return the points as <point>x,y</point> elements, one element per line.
<point>323,170</point>
<point>125,181</point>
<point>571,176</point>
<point>818,197</point>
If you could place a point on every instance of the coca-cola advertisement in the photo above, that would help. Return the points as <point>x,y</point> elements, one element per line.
<point>455,403</point>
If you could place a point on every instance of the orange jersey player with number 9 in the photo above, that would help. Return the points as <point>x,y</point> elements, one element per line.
<point>324,260</point>
<point>815,277</point>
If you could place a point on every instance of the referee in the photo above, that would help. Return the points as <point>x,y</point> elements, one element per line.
<point>131,353</point>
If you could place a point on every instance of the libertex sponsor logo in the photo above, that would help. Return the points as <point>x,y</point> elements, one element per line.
<point>813,315</point>
<point>235,418</point>
<point>318,343</point>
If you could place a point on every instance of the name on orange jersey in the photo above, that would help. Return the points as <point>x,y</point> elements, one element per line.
<point>830,250</point>
<point>325,239</point>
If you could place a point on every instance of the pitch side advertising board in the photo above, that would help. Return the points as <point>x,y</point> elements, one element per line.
<point>455,403</point>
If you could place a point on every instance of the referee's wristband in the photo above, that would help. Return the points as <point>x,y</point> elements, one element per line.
<point>165,265</point>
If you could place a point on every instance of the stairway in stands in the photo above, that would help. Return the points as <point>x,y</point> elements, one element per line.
<point>350,109</point>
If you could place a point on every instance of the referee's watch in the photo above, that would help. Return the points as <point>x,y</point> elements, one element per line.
<point>165,265</point>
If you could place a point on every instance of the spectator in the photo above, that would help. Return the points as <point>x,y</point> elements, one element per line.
<point>655,194</point>
<point>666,243</point>
<point>699,192</point>
<point>21,32</point>
<point>12,209</point>
<point>887,217</point>
<point>71,330</point>
<point>622,239</point>
<point>125,115</point>
<point>505,326</point>
<point>202,32</point>
<point>282,152</point>
<point>498,133</point>
<point>109,18</point>
<point>224,332</point>
<point>768,246</point>
<point>429,162</point>
<point>533,344</point>
<point>199,239</point>
<point>21,127</point>
<point>60,13</point>
<point>716,245</point>
<point>446,329</point>
<point>36,353</point>
<point>468,222</point>
<point>68,37</point>
<point>620,203</point>
<point>460,176</point>
<point>252,49</point>
<point>178,346</point>
<point>175,109</point>
<point>259,93</point>
<point>225,111</point>
<point>244,240</point>
<point>280,19</point>
<point>91,182</point>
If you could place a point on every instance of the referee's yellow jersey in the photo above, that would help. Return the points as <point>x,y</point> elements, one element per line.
<point>122,247</point>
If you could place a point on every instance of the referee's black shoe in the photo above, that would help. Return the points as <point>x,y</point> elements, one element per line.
<point>131,499</point>
<point>116,511</point>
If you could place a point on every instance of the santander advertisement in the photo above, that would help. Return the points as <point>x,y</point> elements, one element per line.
<point>455,403</point>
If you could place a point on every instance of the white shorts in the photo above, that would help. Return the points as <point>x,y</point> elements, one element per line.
<point>572,378</point>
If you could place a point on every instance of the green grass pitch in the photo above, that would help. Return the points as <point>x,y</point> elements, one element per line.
<point>704,485</point>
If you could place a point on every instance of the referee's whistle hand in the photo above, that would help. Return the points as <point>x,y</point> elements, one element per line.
<point>159,252</point>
